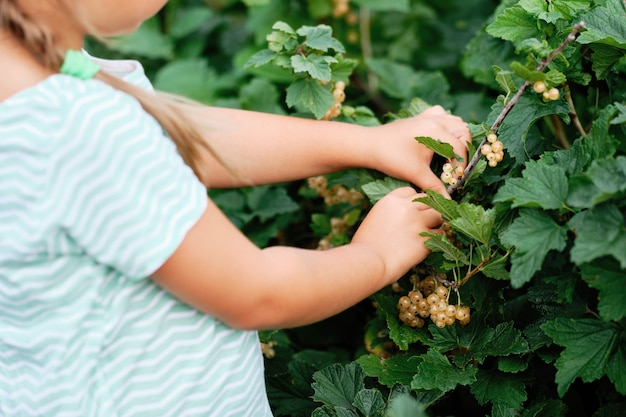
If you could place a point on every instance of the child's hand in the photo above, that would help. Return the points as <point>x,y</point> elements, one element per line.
<point>398,154</point>
<point>392,229</point>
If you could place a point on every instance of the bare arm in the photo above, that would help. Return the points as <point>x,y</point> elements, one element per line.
<point>264,148</point>
<point>219,271</point>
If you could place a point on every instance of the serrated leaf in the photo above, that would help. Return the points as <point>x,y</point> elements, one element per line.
<point>400,334</point>
<point>436,372</point>
<point>514,24</point>
<point>605,24</point>
<point>610,281</point>
<point>541,185</point>
<point>599,232</point>
<point>505,80</point>
<point>377,189</point>
<point>512,364</point>
<point>316,66</point>
<point>526,73</point>
<point>370,402</point>
<point>499,389</point>
<point>440,148</point>
<point>515,128</point>
<point>398,369</point>
<point>533,234</point>
<point>320,38</point>
<point>449,209</point>
<point>310,95</point>
<point>283,27</point>
<point>475,222</point>
<point>268,201</point>
<point>440,243</point>
<point>263,57</point>
<point>590,345</point>
<point>338,384</point>
<point>605,180</point>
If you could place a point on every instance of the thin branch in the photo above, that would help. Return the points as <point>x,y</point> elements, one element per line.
<point>509,106</point>
<point>572,111</point>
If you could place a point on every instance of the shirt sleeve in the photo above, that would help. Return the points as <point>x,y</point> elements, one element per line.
<point>127,198</point>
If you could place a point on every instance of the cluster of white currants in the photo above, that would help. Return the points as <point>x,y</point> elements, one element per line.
<point>431,300</point>
<point>451,173</point>
<point>549,94</point>
<point>494,150</point>
<point>340,96</point>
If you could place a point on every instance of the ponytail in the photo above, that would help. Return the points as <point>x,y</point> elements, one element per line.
<point>168,110</point>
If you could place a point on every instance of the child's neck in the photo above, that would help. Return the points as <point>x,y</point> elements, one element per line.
<point>20,69</point>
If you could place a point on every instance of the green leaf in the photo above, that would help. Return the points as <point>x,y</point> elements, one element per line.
<point>190,19</point>
<point>191,78</point>
<point>533,234</point>
<point>475,222</point>
<point>370,402</point>
<point>605,180</point>
<point>541,185</point>
<point>449,209</point>
<point>311,95</point>
<point>398,369</point>
<point>439,147</point>
<point>590,346</point>
<point>377,189</point>
<point>610,281</point>
<point>512,364</point>
<point>599,232</point>
<point>514,24</point>
<point>499,389</point>
<point>320,38</point>
<point>270,201</point>
<point>516,126</point>
<point>505,80</point>
<point>436,372</point>
<point>606,25</point>
<point>263,57</point>
<point>440,243</point>
<point>401,335</point>
<point>316,66</point>
<point>338,384</point>
<point>527,74</point>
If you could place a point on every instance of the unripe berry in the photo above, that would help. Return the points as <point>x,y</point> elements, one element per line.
<point>539,87</point>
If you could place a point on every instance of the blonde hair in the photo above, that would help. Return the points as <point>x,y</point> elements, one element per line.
<point>168,110</point>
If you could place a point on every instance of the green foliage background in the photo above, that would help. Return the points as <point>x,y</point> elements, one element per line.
<point>545,229</point>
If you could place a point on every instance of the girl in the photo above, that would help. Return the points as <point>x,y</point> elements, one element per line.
<point>124,291</point>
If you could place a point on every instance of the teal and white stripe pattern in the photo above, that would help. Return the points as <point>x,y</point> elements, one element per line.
<point>93,199</point>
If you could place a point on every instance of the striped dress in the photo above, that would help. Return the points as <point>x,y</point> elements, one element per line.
<point>93,199</point>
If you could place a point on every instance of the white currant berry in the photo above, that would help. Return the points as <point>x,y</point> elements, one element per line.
<point>492,163</point>
<point>497,146</point>
<point>492,137</point>
<point>340,85</point>
<point>459,171</point>
<point>433,299</point>
<point>447,167</point>
<point>446,177</point>
<point>441,291</point>
<point>485,149</point>
<point>539,87</point>
<point>554,94</point>
<point>499,156</point>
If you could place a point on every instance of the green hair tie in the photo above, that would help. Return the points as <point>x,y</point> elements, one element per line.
<point>78,65</point>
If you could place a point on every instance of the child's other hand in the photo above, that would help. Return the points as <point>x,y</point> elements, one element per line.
<point>398,154</point>
<point>392,229</point>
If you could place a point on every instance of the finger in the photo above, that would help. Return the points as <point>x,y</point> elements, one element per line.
<point>430,181</point>
<point>434,111</point>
